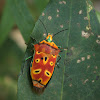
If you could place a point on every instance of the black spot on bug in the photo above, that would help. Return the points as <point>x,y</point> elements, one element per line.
<point>42,58</point>
<point>45,58</point>
<point>47,73</point>
<point>37,71</point>
<point>37,60</point>
<point>39,81</point>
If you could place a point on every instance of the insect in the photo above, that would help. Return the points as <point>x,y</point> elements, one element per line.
<point>43,62</point>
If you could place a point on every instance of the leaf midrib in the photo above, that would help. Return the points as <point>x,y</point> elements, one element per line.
<point>66,51</point>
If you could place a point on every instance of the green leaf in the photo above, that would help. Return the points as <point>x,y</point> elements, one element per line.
<point>40,5</point>
<point>98,15</point>
<point>6,24</point>
<point>79,72</point>
<point>36,7</point>
<point>22,17</point>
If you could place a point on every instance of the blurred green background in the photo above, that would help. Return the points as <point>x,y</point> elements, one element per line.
<point>12,48</point>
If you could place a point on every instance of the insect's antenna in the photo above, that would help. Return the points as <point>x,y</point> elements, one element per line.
<point>59,32</point>
<point>44,26</point>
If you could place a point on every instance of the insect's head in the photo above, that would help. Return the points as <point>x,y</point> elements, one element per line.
<point>49,38</point>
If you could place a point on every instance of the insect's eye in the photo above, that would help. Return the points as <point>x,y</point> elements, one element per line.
<point>51,63</point>
<point>54,56</point>
<point>37,60</point>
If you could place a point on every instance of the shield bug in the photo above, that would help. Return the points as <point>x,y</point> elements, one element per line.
<point>43,63</point>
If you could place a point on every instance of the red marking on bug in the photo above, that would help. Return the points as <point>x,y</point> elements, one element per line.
<point>46,53</point>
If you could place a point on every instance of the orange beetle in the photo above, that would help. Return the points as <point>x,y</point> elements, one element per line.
<point>43,62</point>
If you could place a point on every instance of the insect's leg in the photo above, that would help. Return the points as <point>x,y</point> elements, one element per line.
<point>31,40</point>
<point>34,40</point>
<point>28,58</point>
<point>59,58</point>
<point>30,51</point>
<point>62,49</point>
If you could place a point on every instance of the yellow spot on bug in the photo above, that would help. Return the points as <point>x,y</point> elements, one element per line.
<point>37,52</point>
<point>80,12</point>
<point>49,17</point>
<point>49,43</point>
<point>37,71</point>
<point>82,58</point>
<point>88,56</point>
<point>47,73</point>
<point>54,56</point>
<point>40,79</point>
<point>61,26</point>
<point>45,60</point>
<point>43,14</point>
<point>51,63</point>
<point>37,60</point>
<point>78,61</point>
<point>85,34</point>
